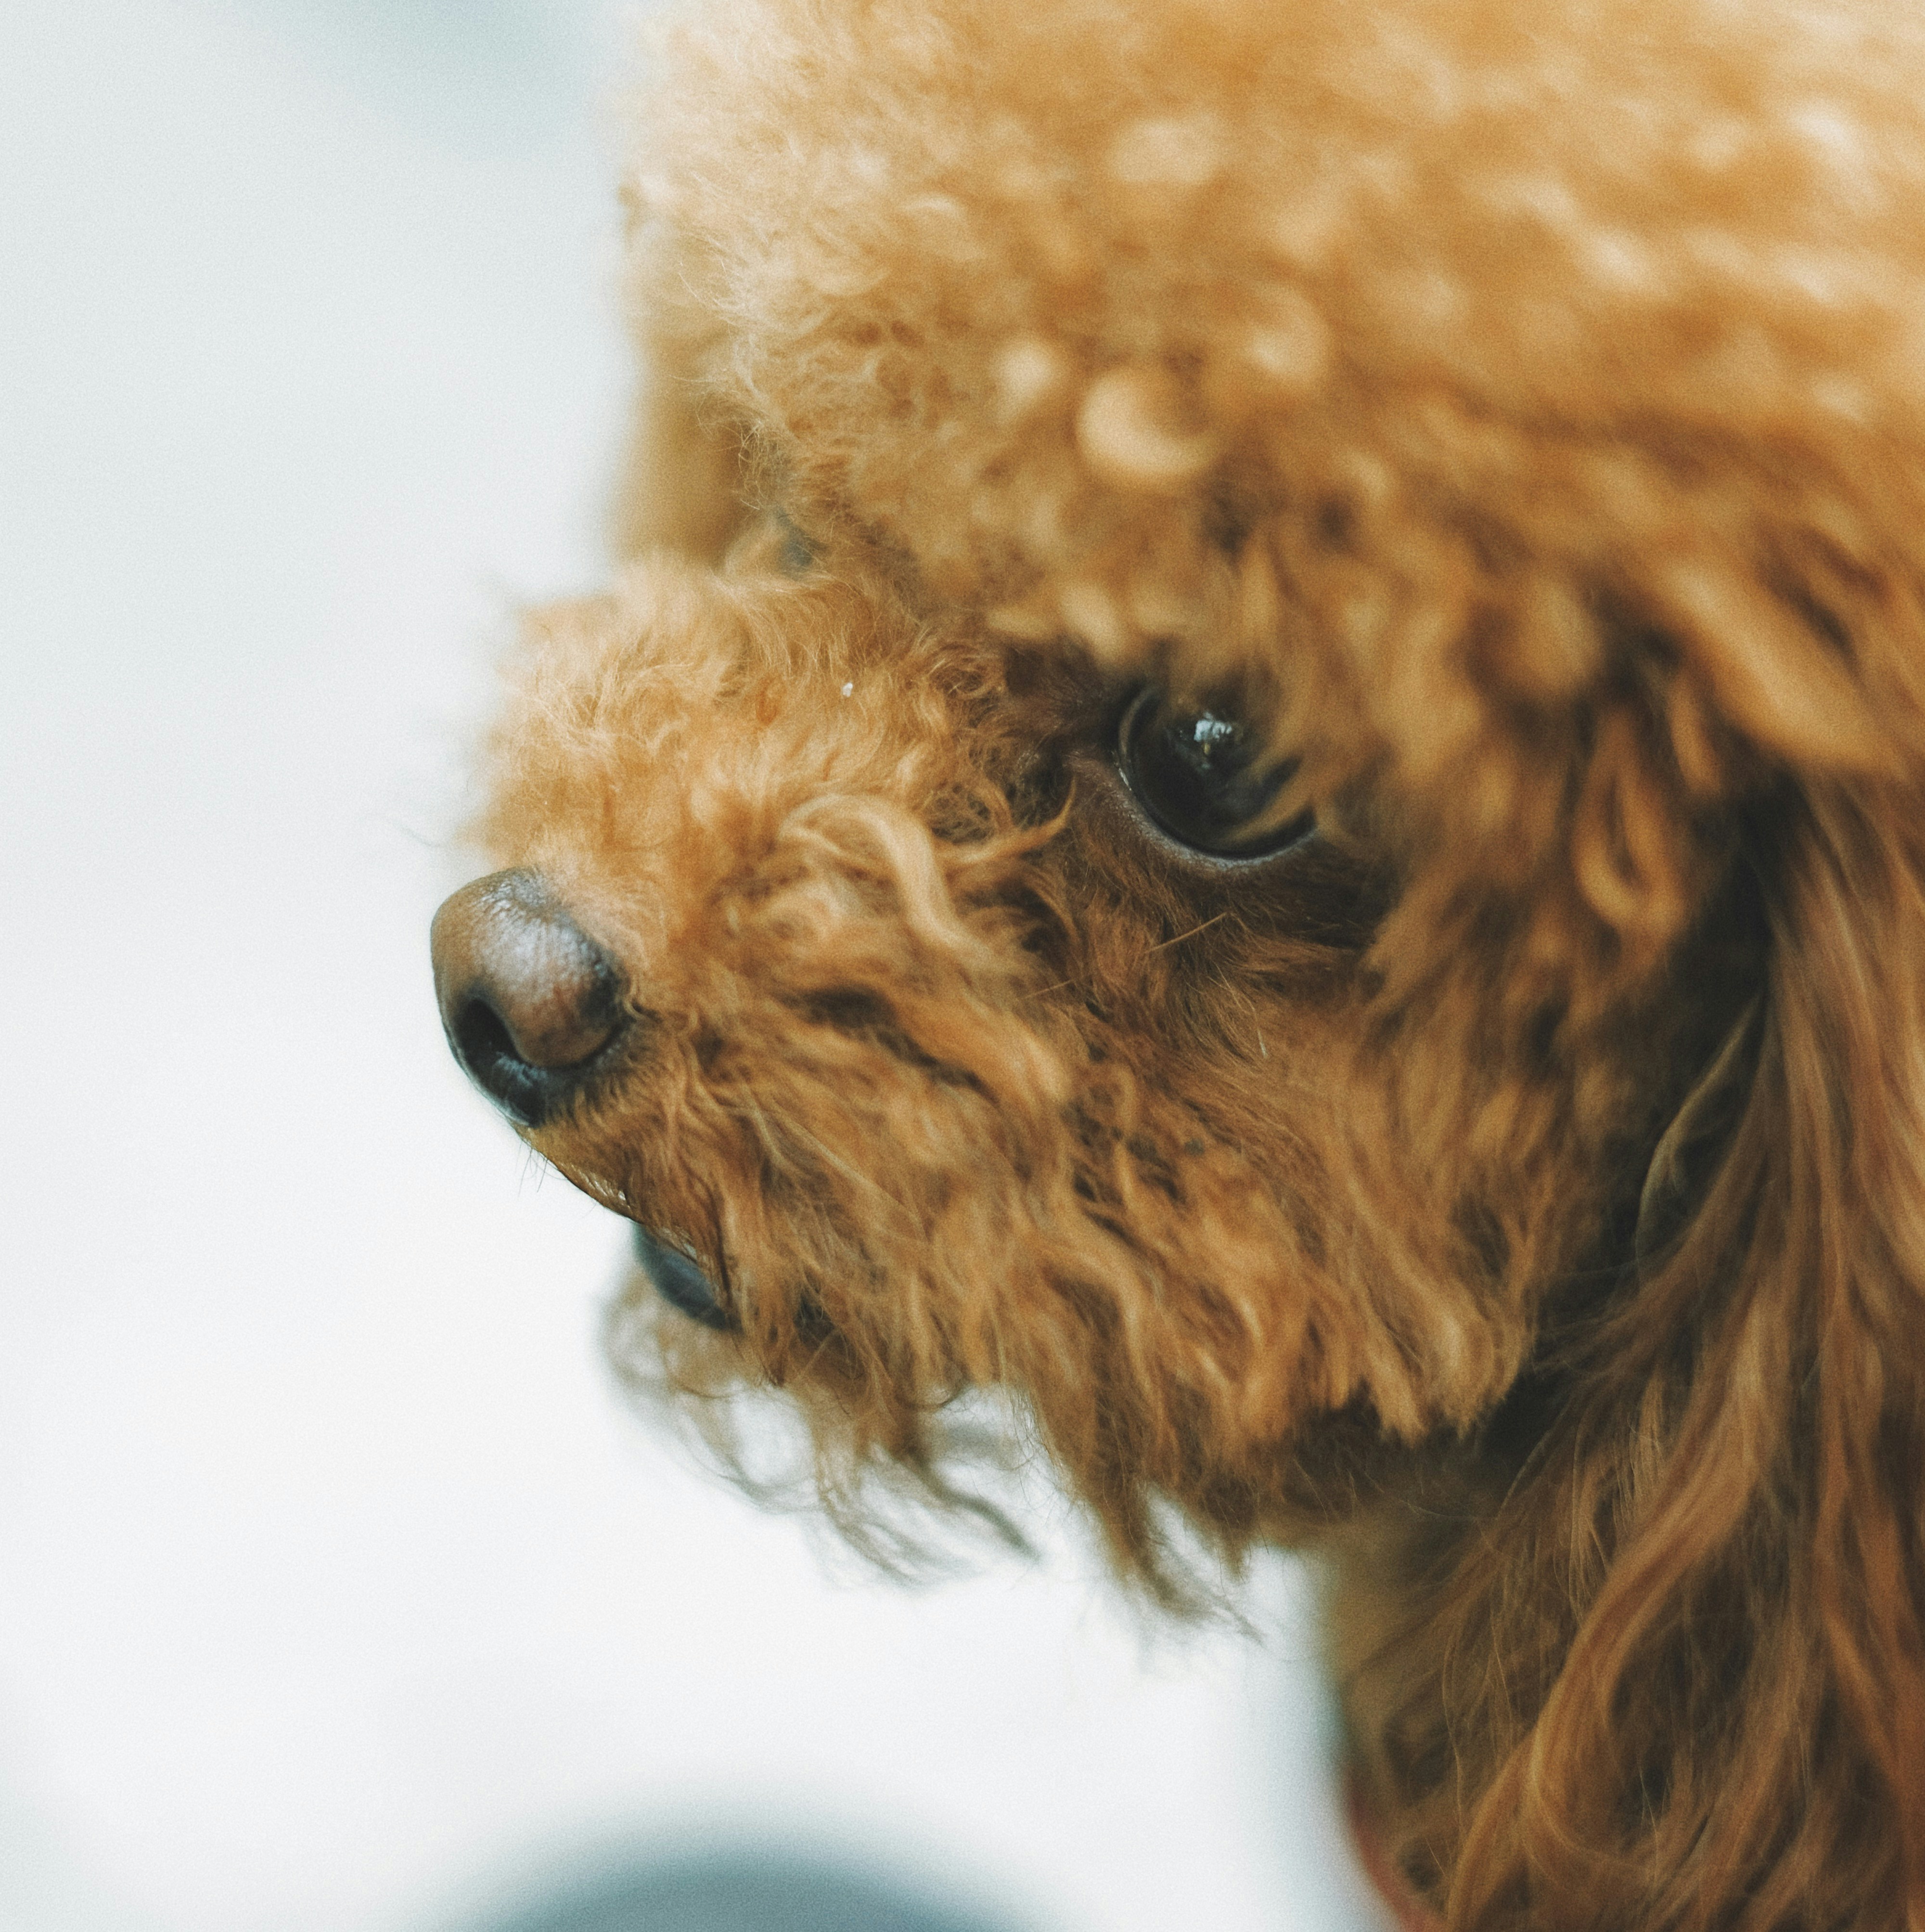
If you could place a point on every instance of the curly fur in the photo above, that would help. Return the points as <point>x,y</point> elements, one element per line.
<point>1518,1194</point>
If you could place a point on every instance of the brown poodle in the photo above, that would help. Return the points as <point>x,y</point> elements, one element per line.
<point>1259,775</point>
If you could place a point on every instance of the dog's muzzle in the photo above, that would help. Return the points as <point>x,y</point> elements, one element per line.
<point>533,1009</point>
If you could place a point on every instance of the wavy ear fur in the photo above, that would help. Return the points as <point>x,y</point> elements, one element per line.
<point>1682,1661</point>
<point>1836,1271</point>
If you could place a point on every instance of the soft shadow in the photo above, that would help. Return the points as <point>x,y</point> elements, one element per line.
<point>743,1891</point>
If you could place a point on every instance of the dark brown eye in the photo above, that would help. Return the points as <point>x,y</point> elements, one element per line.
<point>1205,779</point>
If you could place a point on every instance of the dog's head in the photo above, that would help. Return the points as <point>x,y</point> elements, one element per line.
<point>1258,777</point>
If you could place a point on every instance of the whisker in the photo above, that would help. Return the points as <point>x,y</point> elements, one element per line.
<point>1041,991</point>
<point>1057,985</point>
<point>1162,943</point>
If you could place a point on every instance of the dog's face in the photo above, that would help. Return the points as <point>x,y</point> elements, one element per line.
<point>970,1015</point>
<point>1144,866</point>
<point>1254,760</point>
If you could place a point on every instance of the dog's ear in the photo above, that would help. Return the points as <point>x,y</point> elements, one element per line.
<point>1737,1734</point>
<point>1837,1249</point>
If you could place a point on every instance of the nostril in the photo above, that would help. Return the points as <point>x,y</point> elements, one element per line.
<point>480,1035</point>
<point>530,1003</point>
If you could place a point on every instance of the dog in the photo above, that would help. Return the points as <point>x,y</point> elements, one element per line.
<point>1255,776</point>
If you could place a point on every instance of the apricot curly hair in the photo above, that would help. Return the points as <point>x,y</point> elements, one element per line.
<point>1513,413</point>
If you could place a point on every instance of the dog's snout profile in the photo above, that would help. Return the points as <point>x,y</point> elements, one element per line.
<point>531,1004</point>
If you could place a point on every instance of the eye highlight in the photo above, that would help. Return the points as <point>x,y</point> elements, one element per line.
<point>1204,778</point>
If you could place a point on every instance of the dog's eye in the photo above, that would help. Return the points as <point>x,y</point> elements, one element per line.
<point>1202,777</point>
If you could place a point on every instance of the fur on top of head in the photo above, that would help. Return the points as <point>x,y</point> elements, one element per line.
<point>1512,415</point>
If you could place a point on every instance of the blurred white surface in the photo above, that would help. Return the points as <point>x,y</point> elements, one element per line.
<point>337,1589</point>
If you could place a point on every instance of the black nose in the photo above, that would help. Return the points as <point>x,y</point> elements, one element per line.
<point>531,1005</point>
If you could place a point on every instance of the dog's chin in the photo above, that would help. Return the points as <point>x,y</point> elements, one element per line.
<point>680,1281</point>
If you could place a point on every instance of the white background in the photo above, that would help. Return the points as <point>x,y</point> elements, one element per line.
<point>337,1590</point>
